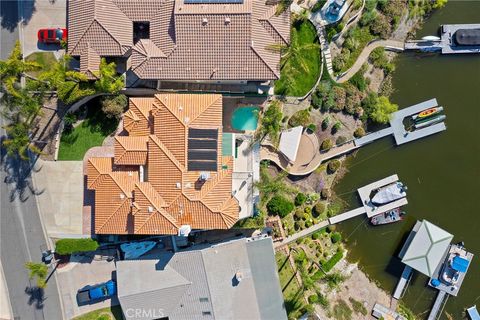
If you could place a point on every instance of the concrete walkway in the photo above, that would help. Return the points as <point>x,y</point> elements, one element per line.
<point>5,306</point>
<point>392,45</point>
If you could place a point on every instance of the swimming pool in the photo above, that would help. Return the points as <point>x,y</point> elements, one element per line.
<point>245,118</point>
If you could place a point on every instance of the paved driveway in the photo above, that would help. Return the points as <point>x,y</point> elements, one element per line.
<point>60,196</point>
<point>77,275</point>
<point>42,14</point>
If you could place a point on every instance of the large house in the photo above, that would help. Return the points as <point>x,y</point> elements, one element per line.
<point>232,280</point>
<point>217,41</point>
<point>173,168</point>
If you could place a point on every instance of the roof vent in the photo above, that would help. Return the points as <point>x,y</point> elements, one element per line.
<point>180,108</point>
<point>227,20</point>
<point>122,196</point>
<point>179,185</point>
<point>150,209</point>
<point>204,176</point>
<point>204,21</point>
<point>187,119</point>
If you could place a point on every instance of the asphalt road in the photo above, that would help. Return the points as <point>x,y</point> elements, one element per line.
<point>21,234</point>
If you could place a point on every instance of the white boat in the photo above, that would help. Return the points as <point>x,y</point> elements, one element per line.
<point>133,250</point>
<point>389,193</point>
<point>431,38</point>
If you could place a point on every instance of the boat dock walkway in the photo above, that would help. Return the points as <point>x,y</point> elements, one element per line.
<point>446,44</point>
<point>403,282</point>
<point>380,311</point>
<point>397,128</point>
<point>440,302</point>
<point>367,207</point>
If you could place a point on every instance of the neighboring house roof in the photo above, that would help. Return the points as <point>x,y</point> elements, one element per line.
<point>207,41</point>
<point>201,283</point>
<point>290,141</point>
<point>176,138</point>
<point>426,247</point>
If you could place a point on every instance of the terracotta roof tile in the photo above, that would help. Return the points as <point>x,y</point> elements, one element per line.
<point>170,196</point>
<point>131,150</point>
<point>187,41</point>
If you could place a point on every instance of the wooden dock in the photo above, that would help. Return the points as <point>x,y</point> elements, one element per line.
<point>440,302</point>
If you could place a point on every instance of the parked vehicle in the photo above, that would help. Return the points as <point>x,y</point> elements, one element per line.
<point>96,293</point>
<point>52,35</point>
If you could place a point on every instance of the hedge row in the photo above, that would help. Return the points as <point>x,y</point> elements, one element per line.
<point>327,266</point>
<point>69,246</point>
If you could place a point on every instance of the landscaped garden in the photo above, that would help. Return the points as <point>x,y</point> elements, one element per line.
<point>301,61</point>
<point>89,133</point>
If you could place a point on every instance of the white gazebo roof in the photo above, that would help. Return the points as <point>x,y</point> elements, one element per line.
<point>427,248</point>
<point>290,141</point>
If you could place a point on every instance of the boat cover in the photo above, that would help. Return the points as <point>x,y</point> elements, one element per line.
<point>473,313</point>
<point>389,194</point>
<point>467,37</point>
<point>460,264</point>
<point>134,250</point>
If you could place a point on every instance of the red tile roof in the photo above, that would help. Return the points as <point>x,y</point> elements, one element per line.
<point>171,196</point>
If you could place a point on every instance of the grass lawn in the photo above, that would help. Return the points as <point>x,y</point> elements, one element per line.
<point>111,313</point>
<point>292,293</point>
<point>89,133</point>
<point>45,59</point>
<point>301,68</point>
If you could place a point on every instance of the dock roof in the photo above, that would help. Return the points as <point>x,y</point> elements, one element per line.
<point>426,247</point>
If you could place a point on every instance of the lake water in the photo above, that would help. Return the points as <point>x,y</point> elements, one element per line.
<point>441,171</point>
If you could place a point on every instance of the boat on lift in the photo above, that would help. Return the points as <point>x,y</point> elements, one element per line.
<point>389,193</point>
<point>429,122</point>
<point>427,113</point>
<point>391,216</point>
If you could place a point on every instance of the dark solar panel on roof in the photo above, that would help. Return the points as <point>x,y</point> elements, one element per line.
<point>212,1</point>
<point>202,165</point>
<point>202,144</point>
<point>203,133</point>
<point>202,154</point>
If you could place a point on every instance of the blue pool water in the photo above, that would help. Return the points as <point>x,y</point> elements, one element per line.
<point>245,118</point>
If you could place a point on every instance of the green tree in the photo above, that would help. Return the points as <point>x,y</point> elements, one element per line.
<point>108,81</point>
<point>270,186</point>
<point>113,106</point>
<point>382,110</point>
<point>270,123</point>
<point>13,68</point>
<point>18,141</point>
<point>279,205</point>
<point>300,199</point>
<point>38,271</point>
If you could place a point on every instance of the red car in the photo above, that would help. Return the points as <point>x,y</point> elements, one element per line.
<point>52,35</point>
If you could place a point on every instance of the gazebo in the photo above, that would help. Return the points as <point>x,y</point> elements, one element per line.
<point>289,142</point>
<point>425,247</point>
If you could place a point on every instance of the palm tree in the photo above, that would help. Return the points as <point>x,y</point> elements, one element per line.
<point>270,186</point>
<point>13,68</point>
<point>38,271</point>
<point>108,80</point>
<point>18,140</point>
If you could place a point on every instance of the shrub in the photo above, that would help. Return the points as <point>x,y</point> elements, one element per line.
<point>69,120</point>
<point>327,266</point>
<point>316,236</point>
<point>278,205</point>
<point>69,246</point>
<point>300,199</point>
<point>325,123</point>
<point>339,96</point>
<point>323,301</point>
<point>359,132</point>
<point>333,166</point>
<point>308,223</point>
<point>113,106</point>
<point>331,228</point>
<point>313,299</point>
<point>341,140</point>
<point>336,237</point>
<point>318,209</point>
<point>381,26</point>
<point>358,307</point>
<point>308,211</point>
<point>325,193</point>
<point>367,18</point>
<point>326,145</point>
<point>300,118</point>
<point>358,80</point>
<point>313,197</point>
<point>312,127</point>
<point>336,127</point>
<point>299,214</point>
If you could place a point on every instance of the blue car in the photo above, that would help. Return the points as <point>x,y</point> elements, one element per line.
<point>96,293</point>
